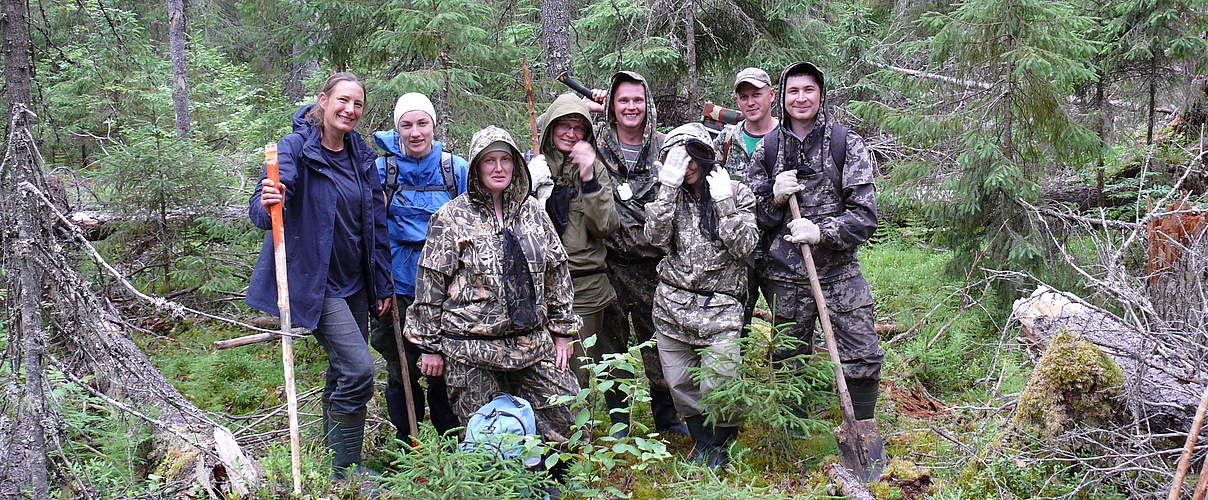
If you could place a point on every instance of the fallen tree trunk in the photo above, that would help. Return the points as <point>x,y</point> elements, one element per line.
<point>84,337</point>
<point>1162,390</point>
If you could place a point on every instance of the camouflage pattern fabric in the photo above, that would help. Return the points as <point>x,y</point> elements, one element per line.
<point>851,312</point>
<point>719,359</point>
<point>635,284</point>
<point>459,310</point>
<point>841,201</point>
<point>697,262</point>
<point>472,386</point>
<point>633,188</point>
<point>729,143</point>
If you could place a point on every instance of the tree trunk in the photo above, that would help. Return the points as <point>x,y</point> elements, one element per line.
<point>555,36</point>
<point>180,67</point>
<point>1101,103</point>
<point>690,55</point>
<point>17,69</point>
<point>84,335</point>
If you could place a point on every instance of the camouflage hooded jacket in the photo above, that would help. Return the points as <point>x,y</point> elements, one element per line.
<point>459,307</point>
<point>695,261</point>
<point>633,187</point>
<point>841,200</point>
<point>592,217</point>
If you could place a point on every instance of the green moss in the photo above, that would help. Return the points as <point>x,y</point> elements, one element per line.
<point>1074,383</point>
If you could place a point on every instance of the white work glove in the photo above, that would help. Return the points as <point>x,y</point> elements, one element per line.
<point>542,179</point>
<point>719,184</point>
<point>803,231</point>
<point>786,184</point>
<point>672,173</point>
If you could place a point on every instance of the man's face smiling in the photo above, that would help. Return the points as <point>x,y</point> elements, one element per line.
<point>801,98</point>
<point>629,105</point>
<point>755,103</point>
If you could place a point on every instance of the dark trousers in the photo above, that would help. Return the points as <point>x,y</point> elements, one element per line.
<point>396,401</point>
<point>343,334</point>
<point>635,284</point>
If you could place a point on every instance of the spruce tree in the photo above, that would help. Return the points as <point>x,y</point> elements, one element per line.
<point>1017,60</point>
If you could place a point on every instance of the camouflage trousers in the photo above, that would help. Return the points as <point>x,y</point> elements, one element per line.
<point>472,386</point>
<point>713,331</point>
<point>851,313</point>
<point>635,284</point>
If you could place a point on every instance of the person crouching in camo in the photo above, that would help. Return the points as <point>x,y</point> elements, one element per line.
<point>706,225</point>
<point>492,310</point>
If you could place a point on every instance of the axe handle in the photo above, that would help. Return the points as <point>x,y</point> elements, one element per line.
<point>574,85</point>
<point>828,333</point>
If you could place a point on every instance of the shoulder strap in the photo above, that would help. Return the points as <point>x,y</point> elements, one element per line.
<point>446,171</point>
<point>391,180</point>
<point>726,142</point>
<point>771,148</point>
<point>838,145</point>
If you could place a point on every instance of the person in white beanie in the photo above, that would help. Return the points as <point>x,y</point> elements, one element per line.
<point>418,177</point>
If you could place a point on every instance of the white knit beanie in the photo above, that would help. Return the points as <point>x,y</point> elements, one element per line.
<point>413,101</point>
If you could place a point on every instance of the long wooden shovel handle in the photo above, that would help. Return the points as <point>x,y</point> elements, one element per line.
<point>287,343</point>
<point>828,333</point>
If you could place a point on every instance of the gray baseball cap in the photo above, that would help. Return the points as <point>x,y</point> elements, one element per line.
<point>754,76</point>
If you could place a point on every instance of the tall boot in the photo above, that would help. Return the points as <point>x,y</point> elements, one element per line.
<point>702,438</point>
<point>325,403</point>
<point>346,440</point>
<point>615,399</point>
<point>721,438</point>
<point>666,419</point>
<point>863,396</point>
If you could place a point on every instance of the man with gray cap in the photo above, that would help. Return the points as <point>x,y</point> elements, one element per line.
<point>753,97</point>
<point>418,177</point>
<point>826,167</point>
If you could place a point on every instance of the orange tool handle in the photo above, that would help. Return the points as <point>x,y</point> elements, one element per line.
<point>274,174</point>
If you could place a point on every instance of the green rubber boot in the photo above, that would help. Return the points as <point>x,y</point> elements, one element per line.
<point>346,439</point>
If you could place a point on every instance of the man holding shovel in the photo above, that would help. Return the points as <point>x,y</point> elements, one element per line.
<point>825,167</point>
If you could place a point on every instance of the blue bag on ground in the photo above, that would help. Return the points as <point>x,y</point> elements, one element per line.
<point>501,426</point>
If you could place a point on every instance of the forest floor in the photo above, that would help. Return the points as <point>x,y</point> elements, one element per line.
<point>948,386</point>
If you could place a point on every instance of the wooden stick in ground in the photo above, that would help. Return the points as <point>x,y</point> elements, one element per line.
<point>1193,435</point>
<point>404,365</point>
<point>532,109</point>
<point>1201,486</point>
<point>287,342</point>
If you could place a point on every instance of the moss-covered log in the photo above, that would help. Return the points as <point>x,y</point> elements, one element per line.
<point>1161,390</point>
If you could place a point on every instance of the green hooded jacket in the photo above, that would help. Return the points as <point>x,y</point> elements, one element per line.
<point>592,217</point>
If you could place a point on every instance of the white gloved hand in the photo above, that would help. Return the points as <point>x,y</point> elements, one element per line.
<point>542,179</point>
<point>803,231</point>
<point>719,184</point>
<point>786,184</point>
<point>674,167</point>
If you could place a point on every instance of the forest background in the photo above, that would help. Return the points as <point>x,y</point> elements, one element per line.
<point>1017,142</point>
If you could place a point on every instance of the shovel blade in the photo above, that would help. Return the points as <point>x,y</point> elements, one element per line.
<point>861,449</point>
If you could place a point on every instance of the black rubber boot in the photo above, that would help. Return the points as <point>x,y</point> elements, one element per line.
<point>702,438</point>
<point>325,403</point>
<point>615,399</point>
<point>666,419</point>
<point>721,438</point>
<point>863,396</point>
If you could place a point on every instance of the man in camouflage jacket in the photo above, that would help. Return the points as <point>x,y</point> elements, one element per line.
<point>706,224</point>
<point>838,206</point>
<point>463,318</point>
<point>754,96</point>
<point>629,145</point>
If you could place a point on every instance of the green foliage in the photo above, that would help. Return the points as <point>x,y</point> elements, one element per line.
<point>591,444</point>
<point>438,468</point>
<point>776,394</point>
<point>1031,53</point>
